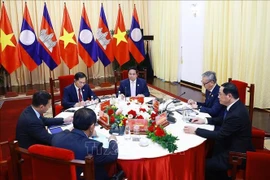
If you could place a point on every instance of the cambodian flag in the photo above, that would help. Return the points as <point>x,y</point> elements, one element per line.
<point>105,49</point>
<point>48,45</point>
<point>87,45</point>
<point>135,39</point>
<point>28,43</point>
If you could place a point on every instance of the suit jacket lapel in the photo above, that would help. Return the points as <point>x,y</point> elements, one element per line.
<point>75,92</point>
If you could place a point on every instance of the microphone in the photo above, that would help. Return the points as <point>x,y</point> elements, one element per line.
<point>170,117</point>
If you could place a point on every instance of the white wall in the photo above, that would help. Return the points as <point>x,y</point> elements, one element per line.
<point>192,42</point>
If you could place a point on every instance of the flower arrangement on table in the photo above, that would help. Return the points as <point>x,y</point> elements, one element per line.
<point>117,119</point>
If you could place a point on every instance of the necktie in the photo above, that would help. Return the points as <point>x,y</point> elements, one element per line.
<point>133,89</point>
<point>80,95</point>
<point>225,114</point>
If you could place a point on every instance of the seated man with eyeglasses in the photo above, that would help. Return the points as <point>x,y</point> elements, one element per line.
<point>211,104</point>
<point>78,93</point>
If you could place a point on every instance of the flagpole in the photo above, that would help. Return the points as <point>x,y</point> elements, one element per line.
<point>105,83</point>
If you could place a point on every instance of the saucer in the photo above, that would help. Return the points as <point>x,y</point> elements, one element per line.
<point>144,142</point>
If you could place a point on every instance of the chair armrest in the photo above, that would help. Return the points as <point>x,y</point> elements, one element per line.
<point>236,159</point>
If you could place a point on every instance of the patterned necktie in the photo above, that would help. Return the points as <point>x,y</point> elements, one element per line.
<point>80,95</point>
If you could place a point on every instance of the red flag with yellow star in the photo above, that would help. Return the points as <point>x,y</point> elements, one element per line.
<point>120,45</point>
<point>67,42</point>
<point>9,51</point>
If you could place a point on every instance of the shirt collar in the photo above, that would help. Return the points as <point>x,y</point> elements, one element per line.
<point>228,107</point>
<point>133,81</point>
<point>213,88</point>
<point>37,113</point>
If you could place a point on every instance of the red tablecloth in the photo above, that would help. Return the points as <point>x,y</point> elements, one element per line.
<point>188,165</point>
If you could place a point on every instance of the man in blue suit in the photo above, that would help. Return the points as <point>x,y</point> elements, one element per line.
<point>233,135</point>
<point>80,142</point>
<point>31,126</point>
<point>211,104</point>
<point>133,86</point>
<point>78,93</point>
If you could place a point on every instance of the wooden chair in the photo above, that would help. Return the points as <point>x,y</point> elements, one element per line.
<point>257,165</point>
<point>243,88</point>
<point>63,82</point>
<point>5,163</point>
<point>50,163</point>
<point>120,75</point>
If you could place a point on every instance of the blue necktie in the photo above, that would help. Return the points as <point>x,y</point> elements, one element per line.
<point>225,114</point>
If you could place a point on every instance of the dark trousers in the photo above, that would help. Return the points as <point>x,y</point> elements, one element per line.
<point>216,169</point>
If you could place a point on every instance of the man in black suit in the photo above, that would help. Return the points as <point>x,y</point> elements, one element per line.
<point>31,126</point>
<point>78,93</point>
<point>80,142</point>
<point>211,104</point>
<point>133,86</point>
<point>233,135</point>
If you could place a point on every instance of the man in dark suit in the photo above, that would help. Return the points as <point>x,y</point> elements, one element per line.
<point>211,104</point>
<point>78,93</point>
<point>31,126</point>
<point>133,86</point>
<point>80,142</point>
<point>234,134</point>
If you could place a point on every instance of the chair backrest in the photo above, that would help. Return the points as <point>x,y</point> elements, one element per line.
<point>120,75</point>
<point>243,88</point>
<point>257,166</point>
<point>51,163</point>
<point>63,81</point>
<point>3,160</point>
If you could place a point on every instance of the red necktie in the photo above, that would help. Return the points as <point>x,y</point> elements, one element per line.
<point>80,95</point>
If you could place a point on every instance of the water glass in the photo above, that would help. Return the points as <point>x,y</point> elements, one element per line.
<point>136,133</point>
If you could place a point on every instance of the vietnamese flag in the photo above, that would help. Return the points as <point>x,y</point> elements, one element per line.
<point>67,42</point>
<point>120,45</point>
<point>28,43</point>
<point>86,43</point>
<point>135,39</point>
<point>9,51</point>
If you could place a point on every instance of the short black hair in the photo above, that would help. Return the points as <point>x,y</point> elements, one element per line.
<point>230,88</point>
<point>79,75</point>
<point>84,118</point>
<point>41,98</point>
<point>133,68</point>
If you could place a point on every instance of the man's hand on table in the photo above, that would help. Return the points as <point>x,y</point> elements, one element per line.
<point>140,95</point>
<point>68,120</point>
<point>190,129</point>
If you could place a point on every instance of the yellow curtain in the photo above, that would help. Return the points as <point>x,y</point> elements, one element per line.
<point>237,44</point>
<point>165,21</point>
<point>55,8</point>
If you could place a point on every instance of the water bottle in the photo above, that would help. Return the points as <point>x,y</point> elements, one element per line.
<point>127,132</point>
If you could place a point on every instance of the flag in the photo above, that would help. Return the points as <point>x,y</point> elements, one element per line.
<point>48,46</point>
<point>105,49</point>
<point>9,52</point>
<point>120,46</point>
<point>87,45</point>
<point>28,43</point>
<point>135,39</point>
<point>67,42</point>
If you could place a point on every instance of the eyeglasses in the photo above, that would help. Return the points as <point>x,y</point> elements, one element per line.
<point>80,82</point>
<point>206,83</point>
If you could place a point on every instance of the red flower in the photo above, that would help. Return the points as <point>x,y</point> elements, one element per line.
<point>110,112</point>
<point>153,116</point>
<point>132,112</point>
<point>159,132</point>
<point>140,117</point>
<point>142,109</point>
<point>151,128</point>
<point>112,119</point>
<point>128,103</point>
<point>124,121</point>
